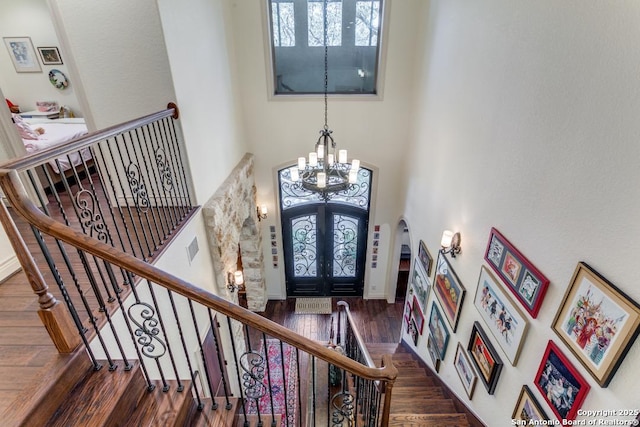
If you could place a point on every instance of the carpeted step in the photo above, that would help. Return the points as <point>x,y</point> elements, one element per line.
<point>428,420</point>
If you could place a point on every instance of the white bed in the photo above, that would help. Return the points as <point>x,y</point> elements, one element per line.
<point>57,132</point>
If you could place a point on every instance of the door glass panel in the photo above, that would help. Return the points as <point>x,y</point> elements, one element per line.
<point>292,194</point>
<point>345,245</point>
<point>304,243</point>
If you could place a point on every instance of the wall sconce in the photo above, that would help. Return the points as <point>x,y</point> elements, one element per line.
<point>235,280</point>
<point>262,212</point>
<point>450,243</point>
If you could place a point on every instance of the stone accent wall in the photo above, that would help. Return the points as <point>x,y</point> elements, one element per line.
<point>231,220</point>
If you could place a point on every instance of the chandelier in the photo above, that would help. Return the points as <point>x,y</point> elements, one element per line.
<point>327,170</point>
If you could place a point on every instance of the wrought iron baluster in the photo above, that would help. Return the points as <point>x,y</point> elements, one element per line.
<point>168,145</point>
<point>225,386</point>
<point>204,364</point>
<point>179,159</point>
<point>237,363</point>
<point>168,178</point>
<point>266,358</point>
<point>284,384</point>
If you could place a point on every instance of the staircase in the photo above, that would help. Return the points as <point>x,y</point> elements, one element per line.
<point>418,397</point>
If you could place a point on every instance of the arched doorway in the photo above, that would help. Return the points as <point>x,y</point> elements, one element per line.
<point>324,242</point>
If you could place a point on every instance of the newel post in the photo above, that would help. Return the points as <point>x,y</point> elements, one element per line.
<point>55,318</point>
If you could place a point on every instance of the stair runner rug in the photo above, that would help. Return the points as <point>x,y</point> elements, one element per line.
<point>313,306</point>
<point>281,383</point>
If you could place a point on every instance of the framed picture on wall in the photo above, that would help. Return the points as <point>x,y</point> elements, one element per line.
<point>527,407</point>
<point>597,322</point>
<point>522,278</point>
<point>465,370</point>
<point>50,55</point>
<point>503,318</point>
<point>413,331</point>
<point>448,290</point>
<point>484,357</point>
<point>433,353</point>
<point>438,330</point>
<point>561,385</point>
<point>22,54</point>
<point>420,284</point>
<point>425,258</point>
<point>417,315</point>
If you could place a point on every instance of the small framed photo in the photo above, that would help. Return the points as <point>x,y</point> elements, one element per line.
<point>417,315</point>
<point>448,290</point>
<point>465,370</point>
<point>561,385</point>
<point>376,236</point>
<point>433,352</point>
<point>438,331</point>
<point>413,331</point>
<point>420,284</point>
<point>50,55</point>
<point>527,407</point>
<point>597,322</point>
<point>22,54</point>
<point>425,258</point>
<point>503,318</point>
<point>485,358</point>
<point>522,278</point>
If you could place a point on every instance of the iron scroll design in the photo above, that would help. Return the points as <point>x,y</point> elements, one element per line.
<point>343,404</point>
<point>166,177</point>
<point>294,194</point>
<point>143,316</point>
<point>253,365</point>
<point>138,188</point>
<point>89,216</point>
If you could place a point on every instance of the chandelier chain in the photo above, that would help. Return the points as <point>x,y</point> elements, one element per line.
<point>326,64</point>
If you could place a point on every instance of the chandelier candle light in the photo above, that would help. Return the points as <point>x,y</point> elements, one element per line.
<point>327,170</point>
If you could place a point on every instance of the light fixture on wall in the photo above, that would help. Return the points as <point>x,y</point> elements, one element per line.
<point>235,280</point>
<point>262,212</point>
<point>327,169</point>
<point>450,243</point>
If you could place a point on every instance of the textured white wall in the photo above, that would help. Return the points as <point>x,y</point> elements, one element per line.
<point>201,63</point>
<point>526,120</point>
<point>119,51</point>
<point>31,18</point>
<point>278,131</point>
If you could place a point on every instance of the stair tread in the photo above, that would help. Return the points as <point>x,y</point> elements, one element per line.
<point>94,400</point>
<point>219,417</point>
<point>424,406</point>
<point>158,407</point>
<point>428,420</point>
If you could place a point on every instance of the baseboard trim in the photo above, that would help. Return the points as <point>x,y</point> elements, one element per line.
<point>9,267</point>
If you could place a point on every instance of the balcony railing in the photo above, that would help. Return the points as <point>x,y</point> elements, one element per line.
<point>123,311</point>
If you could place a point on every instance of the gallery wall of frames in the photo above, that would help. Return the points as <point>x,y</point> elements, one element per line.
<point>595,325</point>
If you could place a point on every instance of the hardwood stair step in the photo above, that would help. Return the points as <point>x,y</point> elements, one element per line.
<point>416,392</point>
<point>219,417</point>
<point>428,420</point>
<point>425,405</point>
<point>164,408</point>
<point>39,401</point>
<point>408,372</point>
<point>416,381</point>
<point>102,398</point>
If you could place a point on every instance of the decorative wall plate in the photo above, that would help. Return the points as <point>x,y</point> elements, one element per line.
<point>58,79</point>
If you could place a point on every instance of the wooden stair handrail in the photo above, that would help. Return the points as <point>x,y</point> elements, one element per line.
<point>15,192</point>
<point>356,333</point>
<point>39,157</point>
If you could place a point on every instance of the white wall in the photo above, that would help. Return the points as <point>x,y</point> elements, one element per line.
<point>31,18</point>
<point>119,52</point>
<point>372,129</point>
<point>526,120</point>
<point>201,61</point>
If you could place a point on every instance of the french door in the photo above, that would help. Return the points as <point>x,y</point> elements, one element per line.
<point>324,241</point>
<point>324,250</point>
